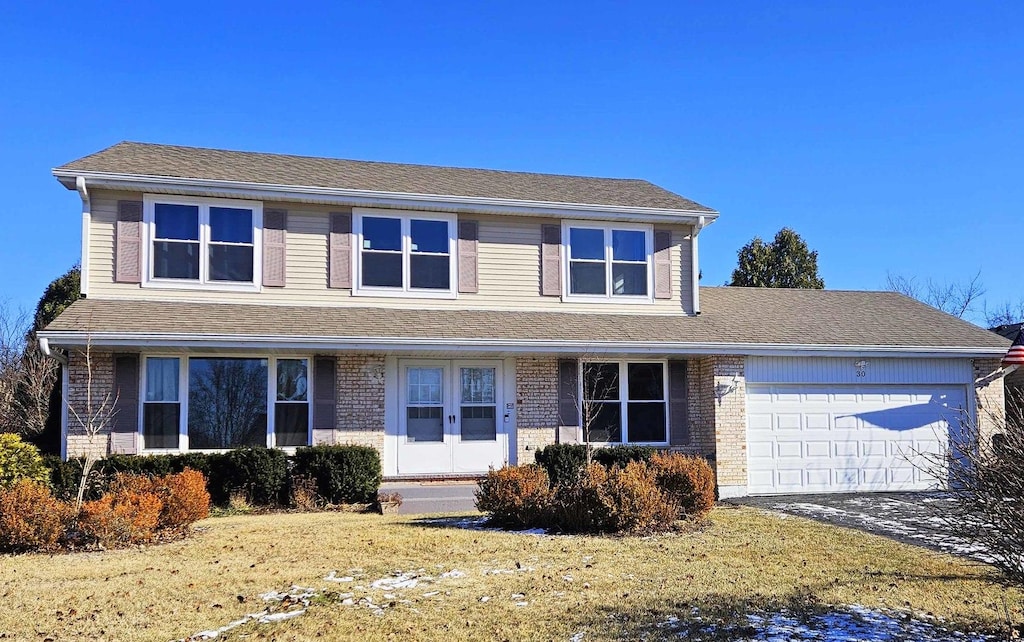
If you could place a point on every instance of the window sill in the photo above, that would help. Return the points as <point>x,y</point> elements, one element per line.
<point>629,300</point>
<point>406,294</point>
<point>290,450</point>
<point>217,286</point>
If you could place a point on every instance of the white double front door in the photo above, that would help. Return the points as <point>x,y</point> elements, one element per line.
<point>451,417</point>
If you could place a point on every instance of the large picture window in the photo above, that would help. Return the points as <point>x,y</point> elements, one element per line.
<point>202,242</point>
<point>405,254</point>
<point>609,262</point>
<point>624,402</point>
<point>214,403</point>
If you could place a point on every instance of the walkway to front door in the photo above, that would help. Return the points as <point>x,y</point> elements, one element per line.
<point>450,417</point>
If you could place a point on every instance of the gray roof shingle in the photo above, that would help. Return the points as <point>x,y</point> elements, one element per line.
<point>144,159</point>
<point>730,316</point>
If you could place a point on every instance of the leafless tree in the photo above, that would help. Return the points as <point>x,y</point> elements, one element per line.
<point>95,417</point>
<point>954,297</point>
<point>27,376</point>
<point>599,387</point>
<point>1006,314</point>
<point>985,485</point>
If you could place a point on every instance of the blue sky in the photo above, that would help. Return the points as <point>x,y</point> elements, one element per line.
<point>890,137</point>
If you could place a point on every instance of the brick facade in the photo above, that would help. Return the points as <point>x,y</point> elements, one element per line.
<point>360,400</point>
<point>81,402</point>
<point>989,393</point>
<point>536,405</point>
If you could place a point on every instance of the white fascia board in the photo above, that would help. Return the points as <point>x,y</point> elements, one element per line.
<point>301,193</point>
<point>412,344</point>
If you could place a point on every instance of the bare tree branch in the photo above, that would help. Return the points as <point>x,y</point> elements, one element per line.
<point>94,417</point>
<point>953,297</point>
<point>26,376</point>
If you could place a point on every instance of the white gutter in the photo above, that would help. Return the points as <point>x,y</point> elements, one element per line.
<point>44,347</point>
<point>695,263</point>
<point>86,220</point>
<point>417,344</point>
<point>341,196</point>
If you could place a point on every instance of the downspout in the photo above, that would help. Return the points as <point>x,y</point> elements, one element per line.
<point>86,220</point>
<point>65,385</point>
<point>695,263</point>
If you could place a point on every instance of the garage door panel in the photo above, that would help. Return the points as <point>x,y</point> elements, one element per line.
<point>826,438</point>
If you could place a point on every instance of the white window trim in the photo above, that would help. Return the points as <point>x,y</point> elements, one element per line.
<point>183,400</point>
<point>608,297</point>
<point>624,400</point>
<point>358,289</point>
<point>204,205</point>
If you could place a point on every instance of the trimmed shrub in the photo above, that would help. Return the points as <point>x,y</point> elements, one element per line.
<point>515,496</point>
<point>622,455</point>
<point>563,462</point>
<point>185,499</point>
<point>128,514</point>
<point>20,460</point>
<point>343,474</point>
<point>261,474</point>
<point>688,482</point>
<point>64,477</point>
<point>635,503</point>
<point>579,505</point>
<point>31,519</point>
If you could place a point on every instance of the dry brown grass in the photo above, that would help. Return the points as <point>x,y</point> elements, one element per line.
<point>607,587</point>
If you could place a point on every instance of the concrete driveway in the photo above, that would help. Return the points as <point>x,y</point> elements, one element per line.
<point>912,518</point>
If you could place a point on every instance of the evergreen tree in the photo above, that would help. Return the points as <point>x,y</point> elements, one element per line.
<point>786,262</point>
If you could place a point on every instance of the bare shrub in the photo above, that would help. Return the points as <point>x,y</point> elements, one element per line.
<point>304,495</point>
<point>687,480</point>
<point>516,496</point>
<point>985,474</point>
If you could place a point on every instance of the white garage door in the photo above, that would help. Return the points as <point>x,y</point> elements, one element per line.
<point>841,437</point>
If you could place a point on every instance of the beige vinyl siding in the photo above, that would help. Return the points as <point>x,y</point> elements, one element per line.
<point>508,264</point>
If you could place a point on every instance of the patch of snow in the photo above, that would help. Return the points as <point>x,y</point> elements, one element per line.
<point>332,577</point>
<point>577,637</point>
<point>270,618</point>
<point>453,573</point>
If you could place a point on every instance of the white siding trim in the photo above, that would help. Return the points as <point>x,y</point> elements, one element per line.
<point>858,370</point>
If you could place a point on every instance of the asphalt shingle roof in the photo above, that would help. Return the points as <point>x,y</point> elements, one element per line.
<point>144,159</point>
<point>730,316</point>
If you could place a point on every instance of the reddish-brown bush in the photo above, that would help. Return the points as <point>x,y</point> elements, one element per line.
<point>579,503</point>
<point>185,499</point>
<point>128,514</point>
<point>687,481</point>
<point>30,517</point>
<point>635,503</point>
<point>516,496</point>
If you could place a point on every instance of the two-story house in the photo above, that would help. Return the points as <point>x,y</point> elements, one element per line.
<point>457,319</point>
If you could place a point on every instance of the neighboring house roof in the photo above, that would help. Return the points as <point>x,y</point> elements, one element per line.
<point>148,160</point>
<point>740,319</point>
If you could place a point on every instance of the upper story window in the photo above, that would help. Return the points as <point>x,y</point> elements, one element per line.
<point>409,253</point>
<point>202,242</point>
<point>608,262</point>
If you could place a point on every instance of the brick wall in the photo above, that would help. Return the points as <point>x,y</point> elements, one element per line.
<point>990,396</point>
<point>700,407</point>
<point>360,400</point>
<point>730,422</point>
<point>102,366</point>
<point>536,405</point>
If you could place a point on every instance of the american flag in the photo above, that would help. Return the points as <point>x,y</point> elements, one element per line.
<point>1015,355</point>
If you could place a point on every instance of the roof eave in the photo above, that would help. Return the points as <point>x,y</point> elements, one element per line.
<point>341,196</point>
<point>63,338</point>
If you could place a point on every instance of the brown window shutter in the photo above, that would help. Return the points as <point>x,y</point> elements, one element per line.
<point>340,250</point>
<point>469,242</point>
<point>124,428</point>
<point>550,260</point>
<point>662,264</point>
<point>128,242</point>
<point>568,391</point>
<point>678,420</point>
<point>324,400</point>
<point>275,226</point>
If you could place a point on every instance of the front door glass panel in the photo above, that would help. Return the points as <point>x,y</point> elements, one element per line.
<point>478,408</point>
<point>425,405</point>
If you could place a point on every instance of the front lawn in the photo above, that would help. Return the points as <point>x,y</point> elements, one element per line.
<point>459,583</point>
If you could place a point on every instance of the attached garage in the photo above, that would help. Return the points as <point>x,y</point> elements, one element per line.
<point>821,425</point>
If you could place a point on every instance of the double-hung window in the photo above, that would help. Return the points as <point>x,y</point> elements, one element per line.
<point>624,402</point>
<point>405,253</point>
<point>608,262</point>
<point>220,402</point>
<point>202,242</point>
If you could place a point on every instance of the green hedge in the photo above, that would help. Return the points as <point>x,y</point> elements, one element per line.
<point>344,474</point>
<point>564,461</point>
